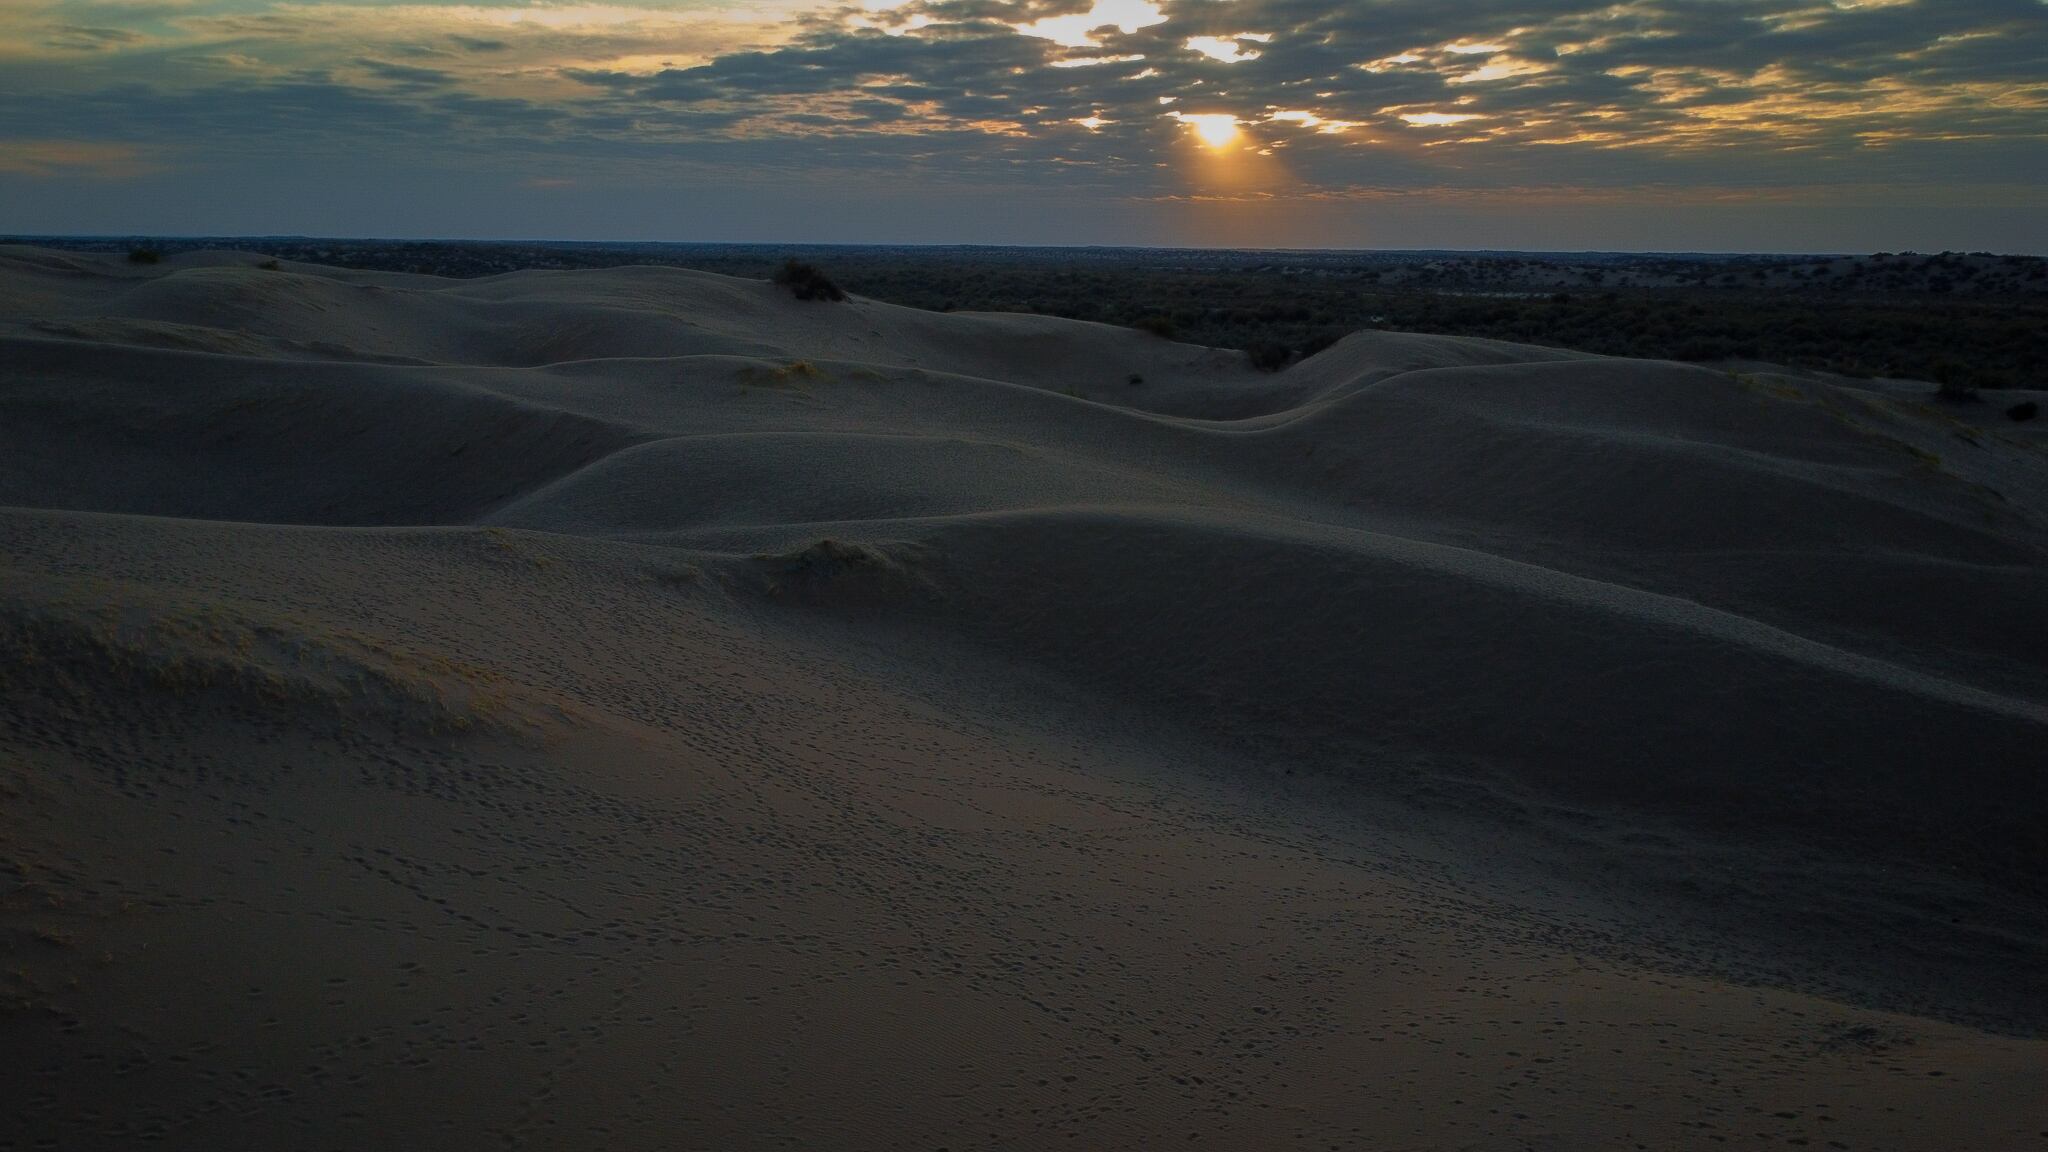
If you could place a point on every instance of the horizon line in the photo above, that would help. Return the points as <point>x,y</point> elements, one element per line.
<point>945,245</point>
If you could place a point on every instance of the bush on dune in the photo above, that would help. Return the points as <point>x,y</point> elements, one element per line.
<point>806,282</point>
<point>1952,382</point>
<point>1269,355</point>
<point>144,256</point>
<point>1321,341</point>
<point>1955,390</point>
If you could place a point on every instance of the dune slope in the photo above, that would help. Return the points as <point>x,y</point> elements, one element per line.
<point>637,708</point>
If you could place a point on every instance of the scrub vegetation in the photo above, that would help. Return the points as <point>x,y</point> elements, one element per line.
<point>1969,320</point>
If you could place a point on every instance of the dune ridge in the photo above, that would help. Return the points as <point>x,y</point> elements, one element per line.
<point>1534,660</point>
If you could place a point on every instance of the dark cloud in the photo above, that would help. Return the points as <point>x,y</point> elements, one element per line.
<point>78,38</point>
<point>405,73</point>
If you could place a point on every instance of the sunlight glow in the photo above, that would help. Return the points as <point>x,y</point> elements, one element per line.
<point>1311,120</point>
<point>1073,31</point>
<point>1497,70</point>
<point>1213,129</point>
<point>1092,61</point>
<point>917,21</point>
<point>1385,63</point>
<point>1227,48</point>
<point>1433,119</point>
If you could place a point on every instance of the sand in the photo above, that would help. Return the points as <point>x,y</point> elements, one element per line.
<point>637,709</point>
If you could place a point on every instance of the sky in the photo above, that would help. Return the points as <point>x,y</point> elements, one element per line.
<point>1670,125</point>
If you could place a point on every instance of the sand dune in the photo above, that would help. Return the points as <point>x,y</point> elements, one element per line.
<point>639,709</point>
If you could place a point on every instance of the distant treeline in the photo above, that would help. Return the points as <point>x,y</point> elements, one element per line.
<point>1971,319</point>
<point>1980,341</point>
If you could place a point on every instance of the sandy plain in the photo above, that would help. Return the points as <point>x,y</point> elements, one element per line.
<point>635,708</point>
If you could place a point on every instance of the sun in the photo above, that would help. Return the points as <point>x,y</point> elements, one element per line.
<point>1214,129</point>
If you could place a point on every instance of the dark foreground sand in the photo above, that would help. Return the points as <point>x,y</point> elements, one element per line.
<point>634,709</point>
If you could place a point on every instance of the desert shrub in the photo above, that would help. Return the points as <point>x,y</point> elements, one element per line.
<point>806,282</point>
<point>269,265</point>
<point>1269,355</point>
<point>144,256</point>
<point>1320,341</point>
<point>1952,381</point>
<point>1135,380</point>
<point>2023,411</point>
<point>1158,325</point>
<point>1955,390</point>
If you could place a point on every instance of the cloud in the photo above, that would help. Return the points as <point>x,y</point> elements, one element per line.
<point>405,73</point>
<point>93,159</point>
<point>1719,69</point>
<point>1086,96</point>
<point>78,38</point>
